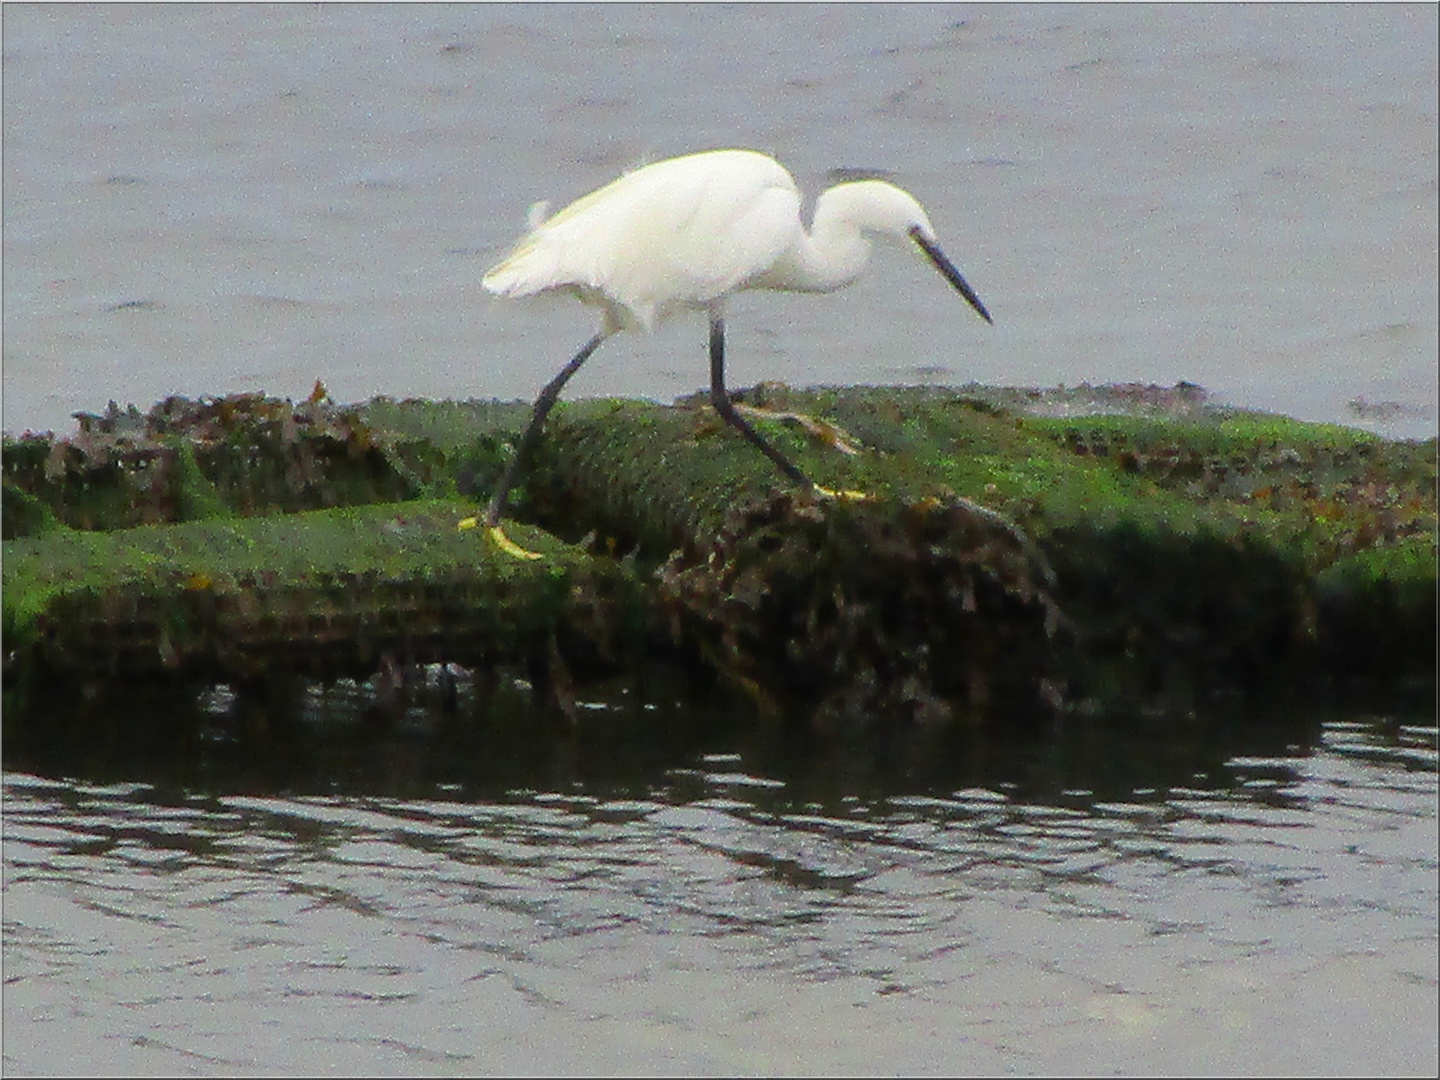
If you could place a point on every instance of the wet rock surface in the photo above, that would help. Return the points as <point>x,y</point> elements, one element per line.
<point>842,611</point>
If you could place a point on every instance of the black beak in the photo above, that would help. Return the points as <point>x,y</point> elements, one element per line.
<point>946,267</point>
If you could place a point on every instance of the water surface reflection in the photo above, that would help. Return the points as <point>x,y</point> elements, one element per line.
<point>1094,898</point>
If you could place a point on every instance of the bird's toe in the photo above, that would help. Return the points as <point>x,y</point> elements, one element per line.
<point>505,544</point>
<point>847,495</point>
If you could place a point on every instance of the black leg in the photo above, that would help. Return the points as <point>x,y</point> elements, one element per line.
<point>543,405</point>
<point>720,398</point>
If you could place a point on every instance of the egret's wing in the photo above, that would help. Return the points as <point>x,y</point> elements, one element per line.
<point>674,234</point>
<point>735,236</point>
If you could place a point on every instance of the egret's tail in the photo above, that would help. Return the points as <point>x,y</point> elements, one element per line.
<point>524,272</point>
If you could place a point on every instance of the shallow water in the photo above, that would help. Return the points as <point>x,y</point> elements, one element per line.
<point>201,199</point>
<point>650,896</point>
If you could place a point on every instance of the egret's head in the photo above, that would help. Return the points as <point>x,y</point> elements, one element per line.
<point>874,207</point>
<point>877,208</point>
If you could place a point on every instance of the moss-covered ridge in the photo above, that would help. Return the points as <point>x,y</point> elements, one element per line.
<point>1198,558</point>
<point>319,593</point>
<point>1176,559</point>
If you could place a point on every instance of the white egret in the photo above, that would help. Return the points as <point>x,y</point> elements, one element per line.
<point>682,235</point>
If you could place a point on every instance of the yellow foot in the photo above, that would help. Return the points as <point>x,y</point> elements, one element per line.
<point>505,544</point>
<point>851,496</point>
<point>500,540</point>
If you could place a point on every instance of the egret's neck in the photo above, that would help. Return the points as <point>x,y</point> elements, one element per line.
<point>830,256</point>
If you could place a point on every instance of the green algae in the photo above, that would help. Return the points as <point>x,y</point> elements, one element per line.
<point>1207,556</point>
<point>322,589</point>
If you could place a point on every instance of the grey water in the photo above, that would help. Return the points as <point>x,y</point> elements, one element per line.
<point>662,892</point>
<point>201,199</point>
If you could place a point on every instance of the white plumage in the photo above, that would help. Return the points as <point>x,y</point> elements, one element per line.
<point>684,233</point>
